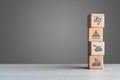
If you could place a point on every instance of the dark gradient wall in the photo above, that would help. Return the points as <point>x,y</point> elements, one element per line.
<point>55,31</point>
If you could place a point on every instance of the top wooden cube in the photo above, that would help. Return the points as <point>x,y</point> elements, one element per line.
<point>96,20</point>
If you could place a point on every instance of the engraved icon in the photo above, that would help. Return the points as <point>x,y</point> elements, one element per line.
<point>96,62</point>
<point>95,35</point>
<point>97,48</point>
<point>97,20</point>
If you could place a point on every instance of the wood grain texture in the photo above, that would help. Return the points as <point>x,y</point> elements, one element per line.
<point>96,62</point>
<point>95,34</point>
<point>96,48</point>
<point>96,20</point>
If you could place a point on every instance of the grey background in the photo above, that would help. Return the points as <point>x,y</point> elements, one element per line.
<point>54,31</point>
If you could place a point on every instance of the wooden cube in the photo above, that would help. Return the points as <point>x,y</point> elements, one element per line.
<point>96,48</point>
<point>95,62</point>
<point>96,20</point>
<point>95,34</point>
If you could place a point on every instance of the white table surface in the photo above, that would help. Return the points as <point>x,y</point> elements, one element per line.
<point>57,72</point>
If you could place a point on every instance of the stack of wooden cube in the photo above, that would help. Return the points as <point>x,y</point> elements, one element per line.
<point>96,49</point>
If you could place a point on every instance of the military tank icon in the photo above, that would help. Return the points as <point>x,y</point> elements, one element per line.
<point>97,48</point>
<point>95,35</point>
<point>96,62</point>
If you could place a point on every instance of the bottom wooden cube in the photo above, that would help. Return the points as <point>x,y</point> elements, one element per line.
<point>96,62</point>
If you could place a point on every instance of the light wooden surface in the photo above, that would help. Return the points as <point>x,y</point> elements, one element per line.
<point>96,20</point>
<point>95,34</point>
<point>96,62</point>
<point>57,72</point>
<point>96,48</point>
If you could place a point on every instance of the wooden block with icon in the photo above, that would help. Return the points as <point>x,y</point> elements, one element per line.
<point>96,62</point>
<point>95,34</point>
<point>96,20</point>
<point>96,48</point>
